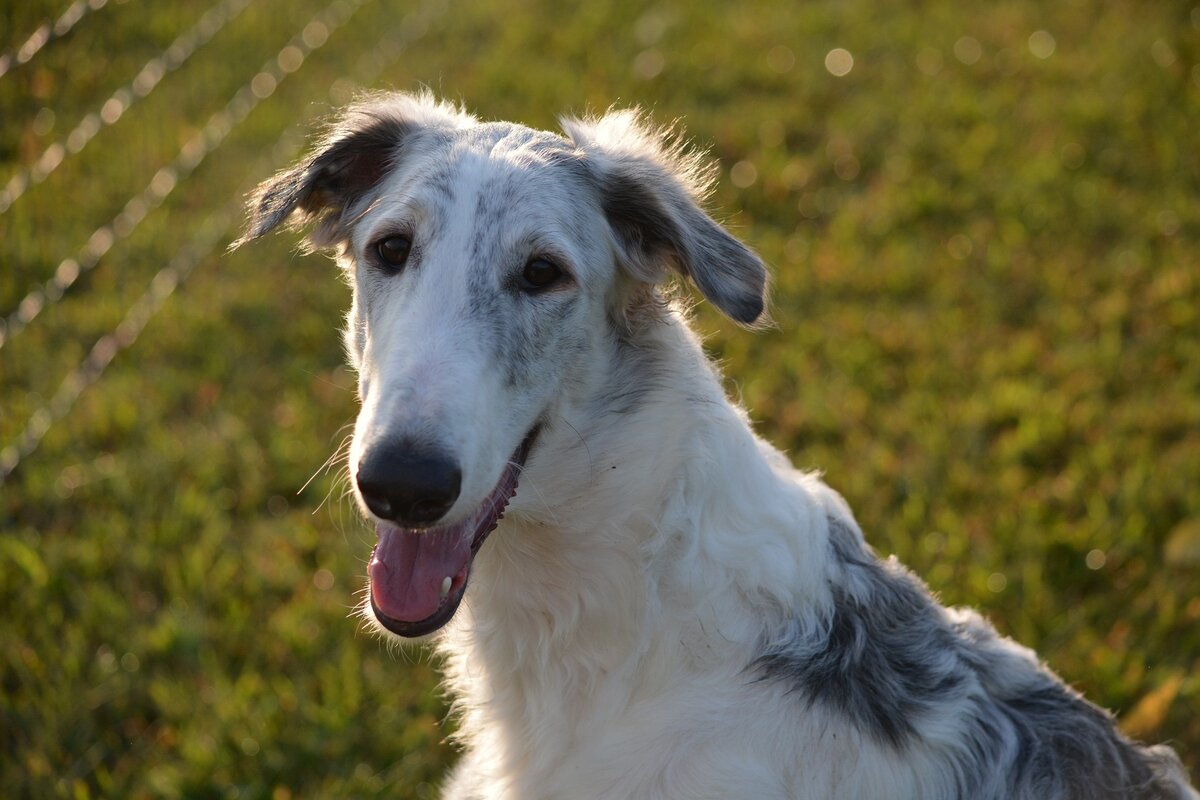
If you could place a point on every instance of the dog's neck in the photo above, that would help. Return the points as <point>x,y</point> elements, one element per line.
<point>649,497</point>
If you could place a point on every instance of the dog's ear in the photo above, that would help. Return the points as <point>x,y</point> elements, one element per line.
<point>361,146</point>
<point>651,189</point>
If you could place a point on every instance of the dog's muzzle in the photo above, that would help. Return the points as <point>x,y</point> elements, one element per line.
<point>418,572</point>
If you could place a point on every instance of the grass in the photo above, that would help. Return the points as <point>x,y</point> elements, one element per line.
<point>987,297</point>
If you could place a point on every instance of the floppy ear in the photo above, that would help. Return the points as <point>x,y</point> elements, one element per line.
<point>651,190</point>
<point>362,145</point>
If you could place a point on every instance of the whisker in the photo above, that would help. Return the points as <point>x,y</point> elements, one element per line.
<point>547,508</point>
<point>582,441</point>
<point>342,451</point>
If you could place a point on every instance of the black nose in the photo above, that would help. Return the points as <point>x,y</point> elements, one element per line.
<point>408,485</point>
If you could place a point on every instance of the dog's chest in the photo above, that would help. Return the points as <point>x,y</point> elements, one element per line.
<point>713,740</point>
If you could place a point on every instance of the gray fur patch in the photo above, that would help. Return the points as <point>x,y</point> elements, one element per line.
<point>640,370</point>
<point>889,658</point>
<point>879,660</point>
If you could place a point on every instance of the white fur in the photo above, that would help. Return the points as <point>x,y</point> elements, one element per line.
<point>602,651</point>
<point>656,547</point>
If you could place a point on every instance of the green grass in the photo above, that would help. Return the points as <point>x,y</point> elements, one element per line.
<point>987,296</point>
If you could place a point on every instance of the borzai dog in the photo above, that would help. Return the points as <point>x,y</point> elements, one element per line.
<point>635,596</point>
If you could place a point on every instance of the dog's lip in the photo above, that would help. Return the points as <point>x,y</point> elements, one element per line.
<point>411,630</point>
<point>383,590</point>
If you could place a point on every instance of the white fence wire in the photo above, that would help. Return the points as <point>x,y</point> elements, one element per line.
<point>190,156</point>
<point>48,32</point>
<point>112,109</point>
<point>206,239</point>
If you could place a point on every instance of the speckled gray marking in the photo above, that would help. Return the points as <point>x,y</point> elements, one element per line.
<point>891,660</point>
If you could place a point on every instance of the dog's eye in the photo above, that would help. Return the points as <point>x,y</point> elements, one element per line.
<point>540,273</point>
<point>393,251</point>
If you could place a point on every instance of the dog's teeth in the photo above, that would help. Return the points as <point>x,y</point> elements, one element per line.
<point>446,586</point>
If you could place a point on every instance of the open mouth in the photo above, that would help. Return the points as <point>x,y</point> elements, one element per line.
<point>418,576</point>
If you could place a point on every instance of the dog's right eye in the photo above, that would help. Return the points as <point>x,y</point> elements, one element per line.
<point>393,252</point>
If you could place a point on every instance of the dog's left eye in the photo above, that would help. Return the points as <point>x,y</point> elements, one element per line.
<point>540,273</point>
<point>393,251</point>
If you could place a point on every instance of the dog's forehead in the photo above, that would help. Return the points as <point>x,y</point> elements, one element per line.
<point>492,187</point>
<point>495,188</point>
<point>497,168</point>
<point>505,169</point>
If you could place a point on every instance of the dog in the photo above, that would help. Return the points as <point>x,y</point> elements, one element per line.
<point>633,594</point>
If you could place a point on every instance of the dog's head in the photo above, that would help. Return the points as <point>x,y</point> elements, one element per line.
<point>484,258</point>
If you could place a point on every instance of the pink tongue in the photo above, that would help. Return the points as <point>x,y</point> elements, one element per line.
<point>409,568</point>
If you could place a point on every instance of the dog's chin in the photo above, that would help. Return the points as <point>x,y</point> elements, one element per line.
<point>417,577</point>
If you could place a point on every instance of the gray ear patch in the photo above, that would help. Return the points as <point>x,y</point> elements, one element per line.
<point>648,190</point>
<point>345,165</point>
<point>363,145</point>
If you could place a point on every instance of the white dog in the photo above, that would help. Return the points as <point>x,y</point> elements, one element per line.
<point>668,609</point>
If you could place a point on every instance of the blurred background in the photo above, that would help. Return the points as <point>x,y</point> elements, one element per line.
<point>983,224</point>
